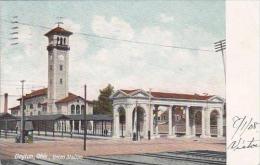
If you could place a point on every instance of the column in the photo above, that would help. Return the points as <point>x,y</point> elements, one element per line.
<point>220,124</point>
<point>187,119</point>
<point>146,123</point>
<point>193,124</point>
<point>156,121</point>
<point>173,122</point>
<point>80,125</point>
<point>92,125</point>
<point>170,120</point>
<point>115,123</point>
<point>73,123</point>
<point>151,121</point>
<point>203,125</point>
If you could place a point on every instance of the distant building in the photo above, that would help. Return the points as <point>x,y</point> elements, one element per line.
<point>55,99</point>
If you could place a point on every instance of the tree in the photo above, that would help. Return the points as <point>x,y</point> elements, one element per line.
<point>104,105</point>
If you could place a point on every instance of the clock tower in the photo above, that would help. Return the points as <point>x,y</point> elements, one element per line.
<point>58,66</point>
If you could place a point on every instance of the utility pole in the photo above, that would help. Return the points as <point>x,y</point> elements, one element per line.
<point>84,113</point>
<point>136,114</point>
<point>22,114</point>
<point>220,46</point>
<point>149,115</point>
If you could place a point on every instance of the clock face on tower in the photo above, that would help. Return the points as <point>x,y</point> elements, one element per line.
<point>61,57</point>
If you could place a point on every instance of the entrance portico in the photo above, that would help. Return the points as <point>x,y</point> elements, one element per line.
<point>184,114</point>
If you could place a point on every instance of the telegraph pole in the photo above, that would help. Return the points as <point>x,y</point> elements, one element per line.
<point>84,113</point>
<point>149,115</point>
<point>136,114</point>
<point>22,114</point>
<point>220,46</point>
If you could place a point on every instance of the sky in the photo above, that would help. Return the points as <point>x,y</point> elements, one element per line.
<point>98,61</point>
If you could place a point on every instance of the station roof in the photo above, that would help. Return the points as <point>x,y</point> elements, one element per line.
<point>6,116</point>
<point>57,117</point>
<point>166,95</point>
<point>35,93</point>
<point>70,98</point>
<point>92,117</point>
<point>47,117</point>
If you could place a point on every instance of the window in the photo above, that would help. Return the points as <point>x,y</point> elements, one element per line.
<point>61,81</point>
<point>51,67</point>
<point>77,109</point>
<point>61,67</point>
<point>44,109</point>
<point>82,109</point>
<point>64,41</point>
<point>61,41</point>
<point>31,106</point>
<point>39,105</point>
<point>72,109</point>
<point>58,40</point>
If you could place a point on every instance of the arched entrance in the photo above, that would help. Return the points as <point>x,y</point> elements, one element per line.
<point>122,121</point>
<point>198,123</point>
<point>138,121</point>
<point>214,119</point>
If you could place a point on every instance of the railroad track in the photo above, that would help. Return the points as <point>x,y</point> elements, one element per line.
<point>32,162</point>
<point>192,156</point>
<point>113,161</point>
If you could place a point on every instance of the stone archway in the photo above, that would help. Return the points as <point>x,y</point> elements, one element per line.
<point>138,122</point>
<point>214,120</point>
<point>122,121</point>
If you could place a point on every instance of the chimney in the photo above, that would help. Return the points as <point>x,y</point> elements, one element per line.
<point>5,102</point>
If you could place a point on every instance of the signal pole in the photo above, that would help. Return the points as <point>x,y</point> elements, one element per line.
<point>22,114</point>
<point>220,46</point>
<point>84,113</point>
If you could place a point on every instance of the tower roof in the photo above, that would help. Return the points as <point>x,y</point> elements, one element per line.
<point>58,30</point>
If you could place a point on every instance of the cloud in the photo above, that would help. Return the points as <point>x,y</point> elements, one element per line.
<point>165,19</point>
<point>114,27</point>
<point>125,65</point>
<point>129,65</point>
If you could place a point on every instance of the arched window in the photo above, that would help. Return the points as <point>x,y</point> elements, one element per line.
<point>82,109</point>
<point>72,109</point>
<point>61,41</point>
<point>58,39</point>
<point>77,109</point>
<point>64,41</point>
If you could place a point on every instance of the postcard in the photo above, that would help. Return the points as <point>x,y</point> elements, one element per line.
<point>129,82</point>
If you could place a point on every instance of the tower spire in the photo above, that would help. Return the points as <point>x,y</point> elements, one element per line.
<point>59,21</point>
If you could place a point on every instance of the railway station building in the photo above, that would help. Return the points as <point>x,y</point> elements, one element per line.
<point>136,112</point>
